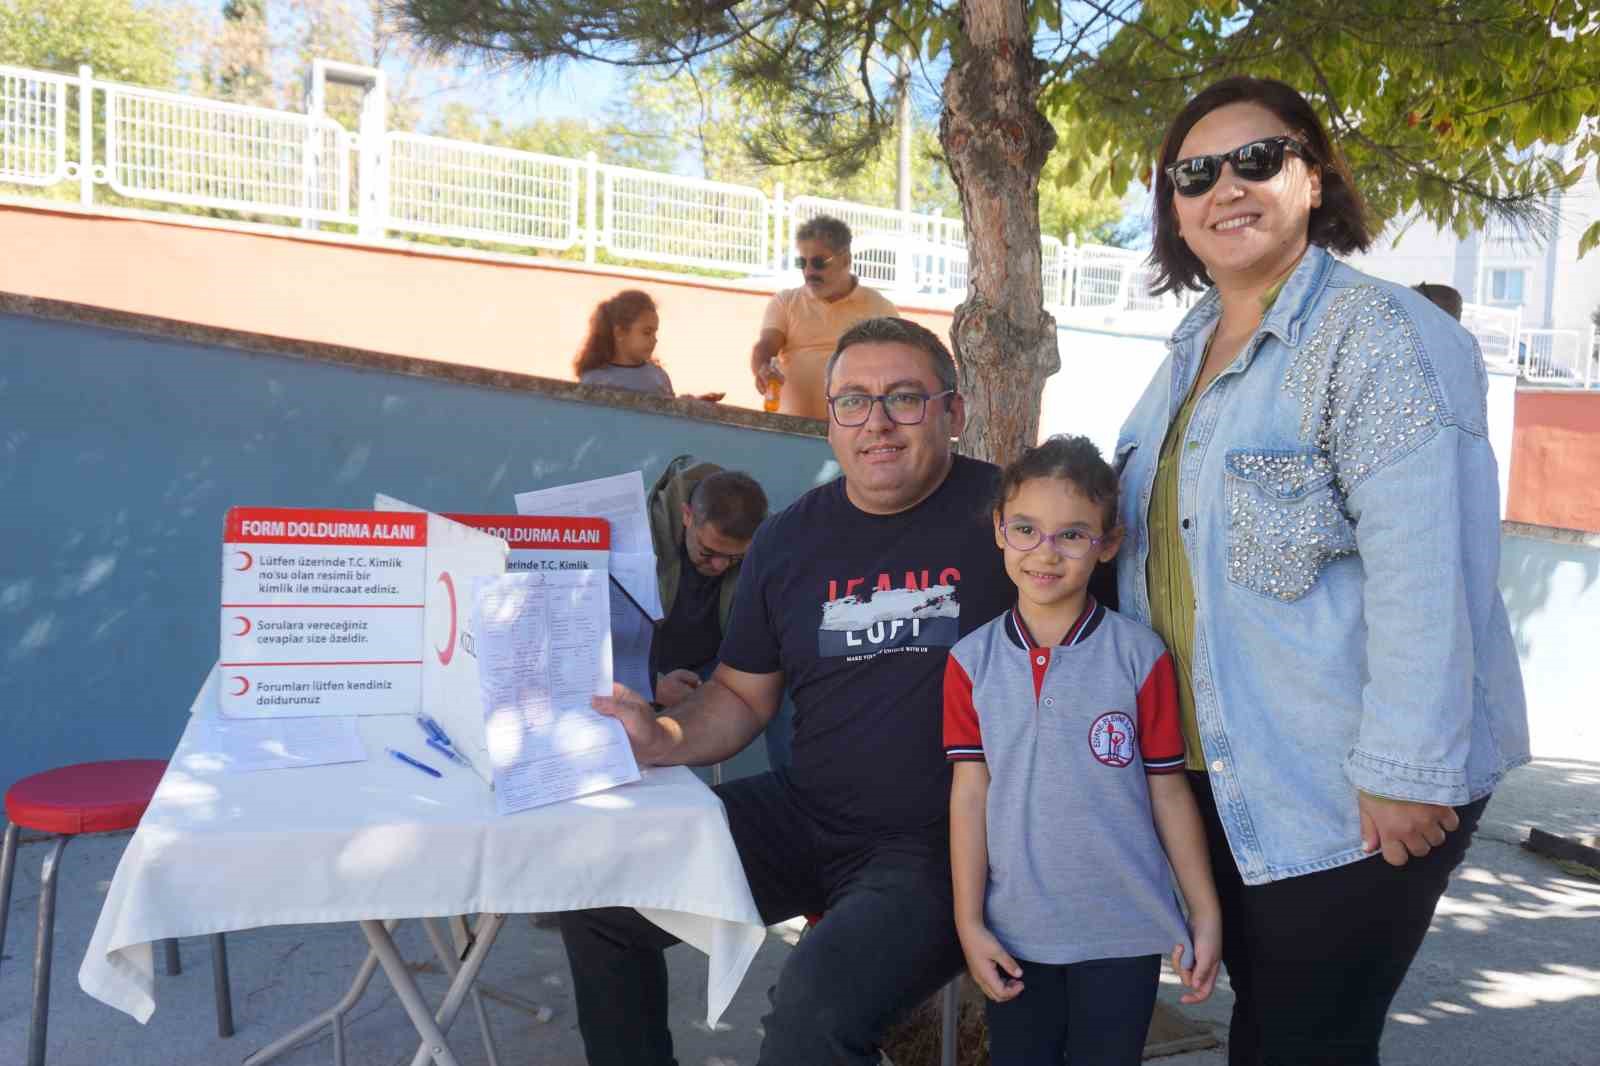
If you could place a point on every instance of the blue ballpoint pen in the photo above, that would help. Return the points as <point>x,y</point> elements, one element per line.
<point>440,741</point>
<point>409,761</point>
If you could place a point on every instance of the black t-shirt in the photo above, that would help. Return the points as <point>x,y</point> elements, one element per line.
<point>691,633</point>
<point>859,612</point>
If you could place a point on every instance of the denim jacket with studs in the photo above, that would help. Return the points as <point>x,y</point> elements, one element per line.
<point>1339,509</point>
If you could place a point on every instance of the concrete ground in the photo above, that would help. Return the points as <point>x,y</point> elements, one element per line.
<point>1510,973</point>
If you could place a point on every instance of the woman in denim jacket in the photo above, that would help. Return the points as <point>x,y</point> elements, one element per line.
<point>1313,526</point>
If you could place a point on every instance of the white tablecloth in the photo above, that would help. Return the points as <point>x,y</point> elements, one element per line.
<point>219,851</point>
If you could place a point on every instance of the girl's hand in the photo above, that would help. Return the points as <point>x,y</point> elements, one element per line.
<point>711,397</point>
<point>991,966</point>
<point>1206,932</point>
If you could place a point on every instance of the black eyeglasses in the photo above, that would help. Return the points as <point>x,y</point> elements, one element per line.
<point>1070,543</point>
<point>1256,161</point>
<point>817,262</point>
<point>902,408</point>
<point>707,556</point>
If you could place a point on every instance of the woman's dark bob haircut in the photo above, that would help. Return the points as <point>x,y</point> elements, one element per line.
<point>1338,224</point>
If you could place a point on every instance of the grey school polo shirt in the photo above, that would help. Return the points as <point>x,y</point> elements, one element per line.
<point>1076,870</point>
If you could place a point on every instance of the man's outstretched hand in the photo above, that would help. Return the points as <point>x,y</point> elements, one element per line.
<point>646,733</point>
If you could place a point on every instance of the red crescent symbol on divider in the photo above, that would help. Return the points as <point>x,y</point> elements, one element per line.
<point>244,685</point>
<point>448,652</point>
<point>249,560</point>
<point>244,624</point>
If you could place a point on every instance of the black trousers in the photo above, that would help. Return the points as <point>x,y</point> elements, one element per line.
<point>1316,960</point>
<point>1093,1013</point>
<point>888,940</point>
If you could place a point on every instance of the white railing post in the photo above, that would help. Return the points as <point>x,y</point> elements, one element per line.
<point>780,215</point>
<point>86,134</point>
<point>1069,272</point>
<point>374,196</point>
<point>591,201</point>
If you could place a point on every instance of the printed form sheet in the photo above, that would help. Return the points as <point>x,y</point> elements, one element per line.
<point>542,654</point>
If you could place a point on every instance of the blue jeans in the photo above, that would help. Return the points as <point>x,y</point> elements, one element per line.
<point>1095,1013</point>
<point>887,943</point>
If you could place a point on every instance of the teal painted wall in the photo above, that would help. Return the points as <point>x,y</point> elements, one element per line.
<point>120,452</point>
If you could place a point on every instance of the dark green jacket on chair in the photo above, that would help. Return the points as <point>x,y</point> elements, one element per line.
<point>667,497</point>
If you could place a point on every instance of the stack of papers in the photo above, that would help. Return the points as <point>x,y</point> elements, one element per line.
<point>245,745</point>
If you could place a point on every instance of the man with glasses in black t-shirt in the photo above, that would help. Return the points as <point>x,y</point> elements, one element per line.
<point>851,597</point>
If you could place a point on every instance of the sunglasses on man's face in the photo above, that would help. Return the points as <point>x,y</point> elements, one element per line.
<point>1256,161</point>
<point>817,262</point>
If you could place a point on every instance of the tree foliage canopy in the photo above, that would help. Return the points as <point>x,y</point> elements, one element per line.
<point>1462,110</point>
<point>120,39</point>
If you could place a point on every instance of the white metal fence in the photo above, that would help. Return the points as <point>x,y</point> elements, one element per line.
<point>664,218</point>
<point>33,127</point>
<point>202,153</point>
<point>150,146</point>
<point>1559,357</point>
<point>456,189</point>
<point>1496,329</point>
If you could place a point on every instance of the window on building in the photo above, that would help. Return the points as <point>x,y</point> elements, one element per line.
<point>1506,286</point>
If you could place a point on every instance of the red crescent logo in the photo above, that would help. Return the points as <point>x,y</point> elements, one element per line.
<point>448,652</point>
<point>244,626</point>
<point>244,685</point>
<point>249,560</point>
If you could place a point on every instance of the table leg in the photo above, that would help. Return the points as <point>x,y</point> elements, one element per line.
<point>221,987</point>
<point>333,1016</point>
<point>405,987</point>
<point>451,961</point>
<point>44,943</point>
<point>8,869</point>
<point>483,939</point>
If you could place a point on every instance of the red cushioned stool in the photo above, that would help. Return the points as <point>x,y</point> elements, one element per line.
<point>91,797</point>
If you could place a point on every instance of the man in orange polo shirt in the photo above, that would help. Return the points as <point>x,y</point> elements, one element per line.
<point>802,326</point>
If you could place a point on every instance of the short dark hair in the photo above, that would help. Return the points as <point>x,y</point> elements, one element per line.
<point>730,500</point>
<point>890,330</point>
<point>825,228</point>
<point>1338,223</point>
<point>1444,297</point>
<point>1074,460</point>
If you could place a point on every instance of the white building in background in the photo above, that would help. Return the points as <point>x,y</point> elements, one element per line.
<point>1547,282</point>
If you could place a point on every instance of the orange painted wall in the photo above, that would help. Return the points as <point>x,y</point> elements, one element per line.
<point>528,316</point>
<point>1555,460</point>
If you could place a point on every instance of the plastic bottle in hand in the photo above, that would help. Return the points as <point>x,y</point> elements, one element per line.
<point>769,400</point>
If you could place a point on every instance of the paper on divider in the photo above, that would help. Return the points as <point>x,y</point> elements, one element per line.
<point>543,650</point>
<point>631,634</point>
<point>246,745</point>
<point>636,572</point>
<point>619,500</point>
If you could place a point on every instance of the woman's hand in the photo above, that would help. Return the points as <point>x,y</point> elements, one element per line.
<point>1206,932</point>
<point>1403,829</point>
<point>991,965</point>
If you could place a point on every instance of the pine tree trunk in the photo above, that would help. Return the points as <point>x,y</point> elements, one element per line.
<point>996,141</point>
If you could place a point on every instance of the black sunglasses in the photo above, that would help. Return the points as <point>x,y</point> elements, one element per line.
<point>817,262</point>
<point>1256,161</point>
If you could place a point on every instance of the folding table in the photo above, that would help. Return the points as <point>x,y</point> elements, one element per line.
<point>375,842</point>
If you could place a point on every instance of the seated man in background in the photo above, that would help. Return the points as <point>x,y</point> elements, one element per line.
<point>1444,297</point>
<point>702,518</point>
<point>802,326</point>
